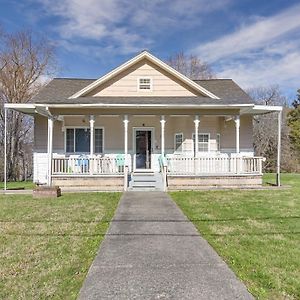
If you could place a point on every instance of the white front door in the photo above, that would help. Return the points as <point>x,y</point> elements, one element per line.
<point>143,148</point>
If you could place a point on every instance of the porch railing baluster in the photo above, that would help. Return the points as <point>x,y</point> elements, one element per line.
<point>88,166</point>
<point>214,165</point>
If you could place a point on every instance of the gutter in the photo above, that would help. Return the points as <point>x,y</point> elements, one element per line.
<point>101,105</point>
<point>244,108</point>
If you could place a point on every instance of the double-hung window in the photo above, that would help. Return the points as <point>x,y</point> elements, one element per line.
<point>218,139</point>
<point>178,140</point>
<point>78,140</point>
<point>203,142</point>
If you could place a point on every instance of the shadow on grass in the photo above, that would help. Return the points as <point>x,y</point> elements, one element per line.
<point>152,234</point>
<point>152,220</point>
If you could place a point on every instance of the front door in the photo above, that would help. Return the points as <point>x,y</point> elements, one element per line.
<point>143,148</point>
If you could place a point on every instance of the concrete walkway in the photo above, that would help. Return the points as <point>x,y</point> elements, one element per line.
<point>152,251</point>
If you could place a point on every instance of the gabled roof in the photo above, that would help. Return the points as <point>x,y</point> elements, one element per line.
<point>148,56</point>
<point>59,90</point>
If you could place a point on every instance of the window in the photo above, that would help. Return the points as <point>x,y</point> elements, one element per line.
<point>178,140</point>
<point>145,84</point>
<point>78,140</point>
<point>82,140</point>
<point>98,140</point>
<point>218,142</point>
<point>70,147</point>
<point>203,142</point>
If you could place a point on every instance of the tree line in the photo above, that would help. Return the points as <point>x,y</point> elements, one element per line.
<point>264,126</point>
<point>27,62</point>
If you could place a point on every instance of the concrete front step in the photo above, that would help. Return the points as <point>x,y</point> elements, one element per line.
<point>145,181</point>
<point>140,189</point>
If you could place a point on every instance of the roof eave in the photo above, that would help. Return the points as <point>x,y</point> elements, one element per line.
<point>35,107</point>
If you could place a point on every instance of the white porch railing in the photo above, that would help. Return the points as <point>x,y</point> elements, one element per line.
<point>88,166</point>
<point>214,165</point>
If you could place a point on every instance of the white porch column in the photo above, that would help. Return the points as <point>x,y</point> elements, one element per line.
<point>5,149</point>
<point>92,135</point>
<point>126,121</point>
<point>237,134</point>
<point>162,125</point>
<point>50,149</point>
<point>197,122</point>
<point>278,183</point>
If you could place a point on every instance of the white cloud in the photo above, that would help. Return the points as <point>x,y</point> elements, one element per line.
<point>265,71</point>
<point>91,20</point>
<point>255,36</point>
<point>126,24</point>
<point>266,52</point>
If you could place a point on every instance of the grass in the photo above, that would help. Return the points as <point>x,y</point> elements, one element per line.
<point>47,245</point>
<point>256,232</point>
<point>27,185</point>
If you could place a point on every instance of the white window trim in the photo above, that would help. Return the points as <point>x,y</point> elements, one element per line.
<point>176,150</point>
<point>82,127</point>
<point>204,133</point>
<point>138,84</point>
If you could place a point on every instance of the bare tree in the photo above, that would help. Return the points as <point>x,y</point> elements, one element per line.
<point>24,61</point>
<point>191,66</point>
<point>265,129</point>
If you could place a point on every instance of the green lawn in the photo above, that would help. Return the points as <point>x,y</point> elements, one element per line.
<point>27,185</point>
<point>47,245</point>
<point>256,232</point>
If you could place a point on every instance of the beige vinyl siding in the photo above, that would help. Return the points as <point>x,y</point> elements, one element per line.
<point>208,124</point>
<point>41,135</point>
<point>126,83</point>
<point>114,132</point>
<point>228,133</point>
<point>246,132</point>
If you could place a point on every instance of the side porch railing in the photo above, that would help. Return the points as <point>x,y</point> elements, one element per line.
<point>214,165</point>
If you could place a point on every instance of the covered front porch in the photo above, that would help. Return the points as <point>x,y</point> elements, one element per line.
<point>104,147</point>
<point>176,147</point>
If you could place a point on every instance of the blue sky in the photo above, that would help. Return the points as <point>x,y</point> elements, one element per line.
<point>255,42</point>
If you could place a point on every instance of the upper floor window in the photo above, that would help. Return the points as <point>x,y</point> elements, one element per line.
<point>145,84</point>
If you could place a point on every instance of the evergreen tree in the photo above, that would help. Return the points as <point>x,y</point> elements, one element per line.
<point>296,102</point>
<point>294,124</point>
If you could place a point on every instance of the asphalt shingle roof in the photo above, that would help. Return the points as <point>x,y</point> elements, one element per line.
<point>59,90</point>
